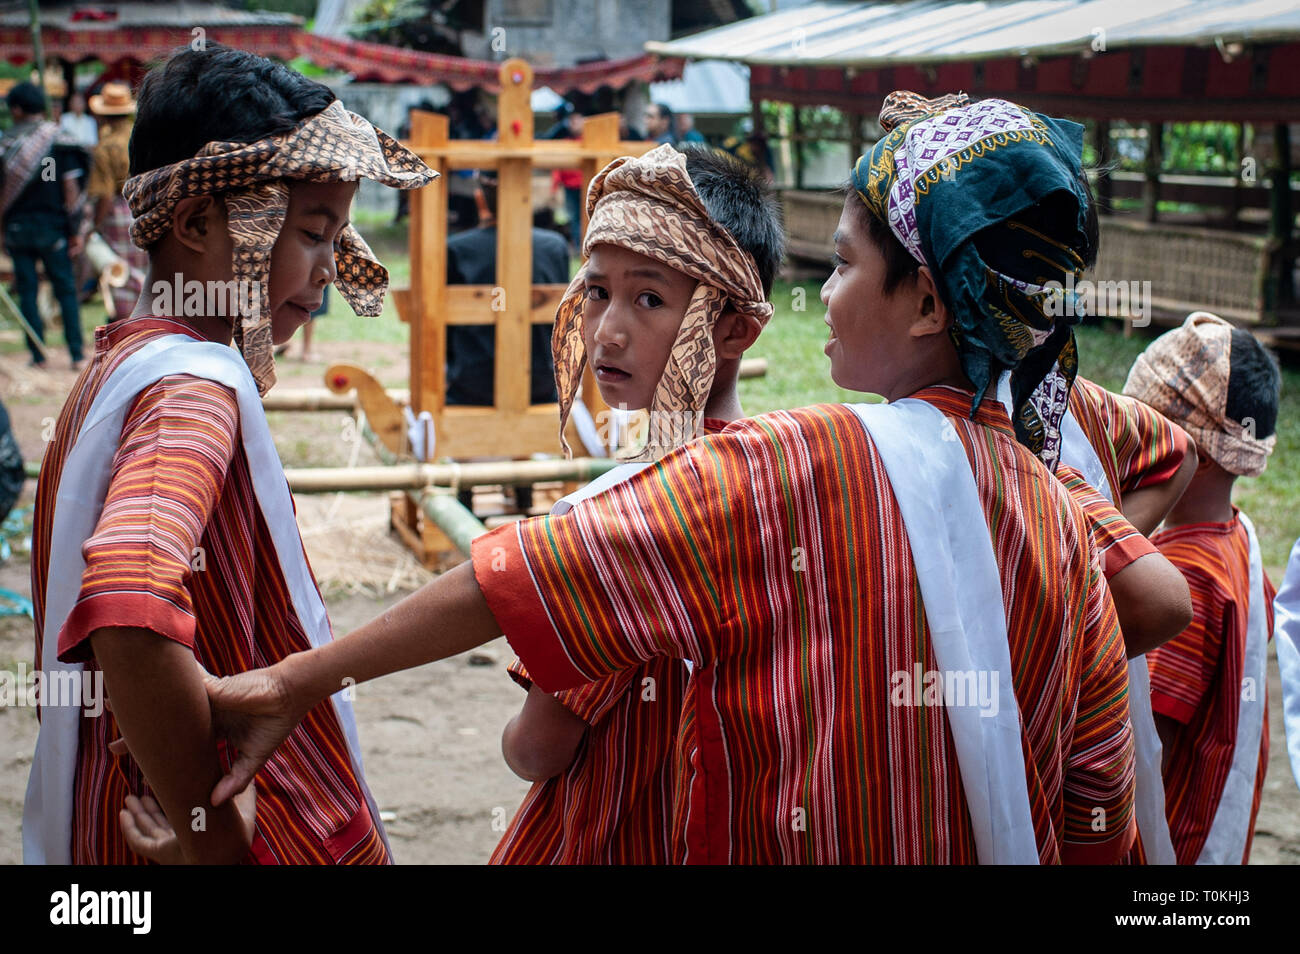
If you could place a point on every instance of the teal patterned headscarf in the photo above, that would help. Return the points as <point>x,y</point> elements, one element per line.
<point>992,197</point>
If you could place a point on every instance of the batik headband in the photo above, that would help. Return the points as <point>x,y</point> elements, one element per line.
<point>334,145</point>
<point>649,205</point>
<point>957,182</point>
<point>1184,375</point>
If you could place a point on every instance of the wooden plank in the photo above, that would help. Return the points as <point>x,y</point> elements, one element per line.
<point>403,300</point>
<point>487,432</point>
<point>514,244</point>
<point>472,304</point>
<point>547,154</point>
<point>600,142</point>
<point>429,273</point>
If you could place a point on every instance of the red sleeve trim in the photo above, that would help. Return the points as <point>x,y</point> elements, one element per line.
<point>1166,705</point>
<point>137,610</point>
<point>1107,852</point>
<point>1122,554</point>
<point>502,572</point>
<point>520,675</point>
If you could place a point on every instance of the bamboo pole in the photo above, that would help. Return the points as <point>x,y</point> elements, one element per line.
<point>323,399</point>
<point>317,399</point>
<point>453,518</point>
<point>11,310</point>
<point>416,476</point>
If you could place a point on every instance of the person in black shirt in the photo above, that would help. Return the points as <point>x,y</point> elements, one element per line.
<point>472,260</point>
<point>41,167</point>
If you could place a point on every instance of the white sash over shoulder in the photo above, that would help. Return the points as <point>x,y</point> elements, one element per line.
<point>83,485</point>
<point>1149,791</point>
<point>946,528</point>
<point>1286,633</point>
<point>1226,842</point>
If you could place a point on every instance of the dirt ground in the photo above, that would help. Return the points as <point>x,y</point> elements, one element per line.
<point>431,736</point>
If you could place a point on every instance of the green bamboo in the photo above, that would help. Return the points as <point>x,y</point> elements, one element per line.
<point>453,518</point>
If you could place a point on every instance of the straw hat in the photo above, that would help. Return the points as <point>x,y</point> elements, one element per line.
<point>113,100</point>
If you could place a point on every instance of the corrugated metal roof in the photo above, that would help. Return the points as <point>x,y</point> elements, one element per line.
<point>707,87</point>
<point>931,31</point>
<point>141,15</point>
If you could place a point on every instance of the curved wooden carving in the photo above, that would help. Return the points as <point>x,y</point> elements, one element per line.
<point>382,413</point>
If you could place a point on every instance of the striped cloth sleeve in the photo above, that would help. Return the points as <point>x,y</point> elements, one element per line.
<point>1099,778</point>
<point>1148,447</point>
<point>1119,543</point>
<point>177,443</point>
<point>591,702</point>
<point>629,575</point>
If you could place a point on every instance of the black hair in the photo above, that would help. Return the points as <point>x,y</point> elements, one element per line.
<point>737,199</point>
<point>665,112</point>
<point>217,94</point>
<point>26,96</point>
<point>1254,384</point>
<point>1046,216</point>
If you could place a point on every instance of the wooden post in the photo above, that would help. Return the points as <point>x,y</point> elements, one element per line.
<point>855,136</point>
<point>798,148</point>
<point>514,242</point>
<point>1239,154</point>
<point>1282,214</point>
<point>38,48</point>
<point>599,133</point>
<point>1101,145</point>
<point>428,237</point>
<point>1154,160</point>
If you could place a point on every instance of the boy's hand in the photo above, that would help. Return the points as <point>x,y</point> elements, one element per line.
<point>256,712</point>
<point>149,833</point>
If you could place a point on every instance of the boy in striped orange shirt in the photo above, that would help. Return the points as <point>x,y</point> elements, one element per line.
<point>601,754</point>
<point>904,648</point>
<point>164,530</point>
<point>1208,688</point>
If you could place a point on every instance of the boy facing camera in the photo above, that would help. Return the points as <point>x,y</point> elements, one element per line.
<point>646,306</point>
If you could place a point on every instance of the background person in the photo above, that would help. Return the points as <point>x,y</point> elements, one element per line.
<point>110,163</point>
<point>659,124</point>
<point>40,206</point>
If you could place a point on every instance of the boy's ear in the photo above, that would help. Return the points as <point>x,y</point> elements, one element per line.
<point>931,316</point>
<point>734,334</point>
<point>199,223</point>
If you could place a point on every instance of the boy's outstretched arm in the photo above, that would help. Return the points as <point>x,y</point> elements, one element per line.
<point>158,701</point>
<point>259,709</point>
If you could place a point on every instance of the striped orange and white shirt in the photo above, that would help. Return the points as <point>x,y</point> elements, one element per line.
<point>1196,679</point>
<point>774,557</point>
<point>613,804</point>
<point>182,549</point>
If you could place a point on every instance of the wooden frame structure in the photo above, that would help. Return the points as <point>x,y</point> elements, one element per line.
<point>511,427</point>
